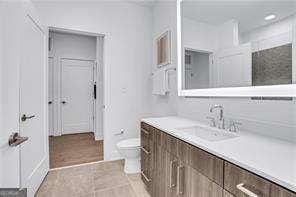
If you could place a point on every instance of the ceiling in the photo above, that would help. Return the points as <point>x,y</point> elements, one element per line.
<point>250,14</point>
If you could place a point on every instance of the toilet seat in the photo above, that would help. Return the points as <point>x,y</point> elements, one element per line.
<point>129,143</point>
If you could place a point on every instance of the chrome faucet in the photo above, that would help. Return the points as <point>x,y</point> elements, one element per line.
<point>221,122</point>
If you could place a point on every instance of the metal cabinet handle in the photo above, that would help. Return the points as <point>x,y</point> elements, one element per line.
<point>25,117</point>
<point>145,151</point>
<point>172,180</point>
<point>145,131</point>
<point>180,188</point>
<point>245,190</point>
<point>145,177</point>
<point>15,139</point>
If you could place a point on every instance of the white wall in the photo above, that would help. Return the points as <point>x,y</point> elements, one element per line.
<point>228,34</point>
<point>67,46</point>
<point>2,141</point>
<point>10,30</point>
<point>199,36</point>
<point>281,29</point>
<point>269,36</point>
<point>100,89</point>
<point>127,57</point>
<point>197,73</point>
<point>164,18</point>
<point>73,46</point>
<point>276,118</point>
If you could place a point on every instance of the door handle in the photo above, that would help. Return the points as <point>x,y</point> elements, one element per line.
<point>63,102</point>
<point>95,91</point>
<point>49,102</point>
<point>24,117</point>
<point>15,139</point>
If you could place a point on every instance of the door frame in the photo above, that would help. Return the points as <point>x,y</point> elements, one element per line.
<point>99,69</point>
<point>94,80</point>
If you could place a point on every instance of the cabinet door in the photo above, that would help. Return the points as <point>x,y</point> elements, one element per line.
<point>159,183</point>
<point>171,144</point>
<point>207,164</point>
<point>183,179</point>
<point>201,186</point>
<point>277,191</point>
<point>227,194</point>
<point>183,151</point>
<point>171,175</point>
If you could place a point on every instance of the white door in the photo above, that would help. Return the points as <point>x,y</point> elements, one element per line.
<point>23,91</point>
<point>77,96</point>
<point>50,96</point>
<point>33,106</point>
<point>234,67</point>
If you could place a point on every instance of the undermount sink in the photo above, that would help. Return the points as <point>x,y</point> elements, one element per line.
<point>208,133</point>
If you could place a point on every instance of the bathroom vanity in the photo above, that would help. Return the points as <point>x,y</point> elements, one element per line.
<point>175,162</point>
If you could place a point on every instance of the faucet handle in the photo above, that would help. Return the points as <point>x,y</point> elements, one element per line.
<point>233,126</point>
<point>213,121</point>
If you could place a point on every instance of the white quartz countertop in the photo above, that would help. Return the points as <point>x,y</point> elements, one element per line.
<point>271,158</point>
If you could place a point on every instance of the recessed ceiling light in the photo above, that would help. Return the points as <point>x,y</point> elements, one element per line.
<point>269,17</point>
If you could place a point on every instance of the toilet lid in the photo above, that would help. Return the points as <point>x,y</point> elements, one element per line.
<point>129,143</point>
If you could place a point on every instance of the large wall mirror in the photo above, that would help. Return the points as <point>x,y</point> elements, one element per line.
<point>237,48</point>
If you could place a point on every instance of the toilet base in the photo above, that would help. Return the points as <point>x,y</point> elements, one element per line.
<point>132,165</point>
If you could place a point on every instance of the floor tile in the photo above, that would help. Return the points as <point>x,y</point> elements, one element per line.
<point>122,191</point>
<point>106,179</point>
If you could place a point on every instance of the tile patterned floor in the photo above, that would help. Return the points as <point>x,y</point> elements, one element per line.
<point>105,179</point>
<point>73,149</point>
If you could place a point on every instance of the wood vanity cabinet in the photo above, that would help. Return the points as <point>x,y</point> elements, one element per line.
<point>147,152</point>
<point>236,176</point>
<point>171,167</point>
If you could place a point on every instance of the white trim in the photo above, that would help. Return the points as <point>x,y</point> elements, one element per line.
<point>77,165</point>
<point>179,48</point>
<point>84,164</point>
<point>252,91</point>
<point>294,51</point>
<point>40,171</point>
<point>73,31</point>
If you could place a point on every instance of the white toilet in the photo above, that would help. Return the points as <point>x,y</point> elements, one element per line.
<point>130,150</point>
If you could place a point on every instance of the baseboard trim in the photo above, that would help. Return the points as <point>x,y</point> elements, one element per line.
<point>40,171</point>
<point>83,164</point>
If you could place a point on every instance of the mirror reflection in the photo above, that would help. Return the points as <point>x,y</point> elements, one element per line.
<point>237,43</point>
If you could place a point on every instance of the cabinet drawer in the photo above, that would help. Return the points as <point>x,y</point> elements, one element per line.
<point>148,182</point>
<point>183,150</point>
<point>239,182</point>
<point>171,144</point>
<point>159,137</point>
<point>146,143</point>
<point>146,164</point>
<point>207,164</point>
<point>146,130</point>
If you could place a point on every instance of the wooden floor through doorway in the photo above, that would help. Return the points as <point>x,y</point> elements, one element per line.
<point>73,149</point>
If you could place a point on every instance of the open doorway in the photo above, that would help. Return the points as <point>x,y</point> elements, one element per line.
<point>75,98</point>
